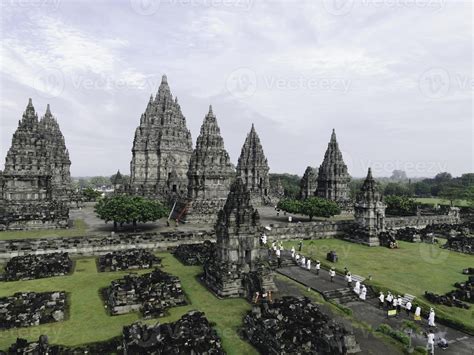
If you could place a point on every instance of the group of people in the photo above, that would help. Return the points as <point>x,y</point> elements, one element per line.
<point>359,289</point>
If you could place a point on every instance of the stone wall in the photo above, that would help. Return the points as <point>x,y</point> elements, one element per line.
<point>99,245</point>
<point>419,221</point>
<point>310,230</point>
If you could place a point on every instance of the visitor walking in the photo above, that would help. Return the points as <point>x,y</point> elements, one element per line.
<point>408,307</point>
<point>430,343</point>
<point>332,274</point>
<point>357,287</point>
<point>431,318</point>
<point>417,313</point>
<point>381,300</point>
<point>318,267</point>
<point>300,245</point>
<point>308,264</point>
<point>363,293</point>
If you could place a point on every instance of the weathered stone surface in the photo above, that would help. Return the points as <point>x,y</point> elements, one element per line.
<point>150,293</point>
<point>162,149</point>
<point>36,183</point>
<point>128,260</point>
<point>210,173</point>
<point>296,326</point>
<point>333,178</point>
<point>253,169</point>
<point>195,254</point>
<point>31,267</point>
<point>26,309</point>
<point>308,183</point>
<point>237,269</point>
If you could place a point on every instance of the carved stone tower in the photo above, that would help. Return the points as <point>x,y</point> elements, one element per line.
<point>370,211</point>
<point>253,168</point>
<point>210,173</point>
<point>333,178</point>
<point>161,150</point>
<point>308,183</point>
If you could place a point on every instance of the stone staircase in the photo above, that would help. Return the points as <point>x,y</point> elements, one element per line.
<point>286,260</point>
<point>346,294</point>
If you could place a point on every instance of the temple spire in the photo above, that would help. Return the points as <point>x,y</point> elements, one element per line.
<point>210,111</point>
<point>48,111</point>
<point>333,136</point>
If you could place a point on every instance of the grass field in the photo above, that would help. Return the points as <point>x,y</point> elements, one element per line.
<point>413,268</point>
<point>88,321</point>
<point>440,201</point>
<point>79,228</point>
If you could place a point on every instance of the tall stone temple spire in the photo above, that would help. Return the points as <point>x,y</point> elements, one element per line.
<point>369,211</point>
<point>253,168</point>
<point>333,178</point>
<point>308,183</point>
<point>237,269</point>
<point>210,173</point>
<point>36,182</point>
<point>161,149</point>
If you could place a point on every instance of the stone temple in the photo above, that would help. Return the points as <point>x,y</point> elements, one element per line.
<point>253,169</point>
<point>369,213</point>
<point>333,178</point>
<point>162,149</point>
<point>308,183</point>
<point>36,183</point>
<point>237,268</point>
<point>210,173</point>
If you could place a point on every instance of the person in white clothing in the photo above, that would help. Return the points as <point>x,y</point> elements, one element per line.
<point>278,253</point>
<point>430,343</point>
<point>349,279</point>
<point>431,318</point>
<point>318,267</point>
<point>389,300</point>
<point>297,258</point>
<point>293,252</point>
<point>357,287</point>
<point>381,299</point>
<point>394,303</point>
<point>303,262</point>
<point>332,274</point>
<point>417,313</point>
<point>308,264</point>
<point>408,307</point>
<point>363,293</point>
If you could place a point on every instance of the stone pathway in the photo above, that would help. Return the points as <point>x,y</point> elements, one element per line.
<point>368,311</point>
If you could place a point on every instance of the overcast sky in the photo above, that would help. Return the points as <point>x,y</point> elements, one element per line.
<point>393,77</point>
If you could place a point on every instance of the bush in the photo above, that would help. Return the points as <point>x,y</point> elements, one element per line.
<point>395,334</point>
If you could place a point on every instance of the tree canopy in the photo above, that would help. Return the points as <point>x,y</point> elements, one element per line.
<point>311,207</point>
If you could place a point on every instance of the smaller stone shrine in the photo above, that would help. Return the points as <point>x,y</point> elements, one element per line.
<point>369,214</point>
<point>239,267</point>
<point>151,294</point>
<point>194,254</point>
<point>296,326</point>
<point>26,309</point>
<point>128,260</point>
<point>31,267</point>
<point>308,183</point>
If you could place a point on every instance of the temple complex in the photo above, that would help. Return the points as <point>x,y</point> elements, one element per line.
<point>369,212</point>
<point>162,148</point>
<point>308,183</point>
<point>36,184</point>
<point>210,173</point>
<point>253,168</point>
<point>237,268</point>
<point>333,178</point>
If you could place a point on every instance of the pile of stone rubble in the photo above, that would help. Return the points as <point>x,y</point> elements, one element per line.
<point>29,267</point>
<point>296,326</point>
<point>194,254</point>
<point>26,309</point>
<point>463,293</point>
<point>128,260</point>
<point>150,293</point>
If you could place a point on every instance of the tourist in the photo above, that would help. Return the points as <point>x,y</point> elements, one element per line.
<point>297,258</point>
<point>430,344</point>
<point>399,304</point>
<point>417,313</point>
<point>431,318</point>
<point>332,274</point>
<point>381,300</point>
<point>357,287</point>
<point>303,262</point>
<point>346,270</point>
<point>363,293</point>
<point>349,280</point>
<point>408,307</point>
<point>293,252</point>
<point>395,304</point>
<point>308,264</point>
<point>290,219</point>
<point>318,267</point>
<point>389,300</point>
<point>300,245</point>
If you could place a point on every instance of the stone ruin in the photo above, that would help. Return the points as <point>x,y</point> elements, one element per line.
<point>462,244</point>
<point>194,254</point>
<point>239,267</point>
<point>151,294</point>
<point>36,183</point>
<point>161,150</point>
<point>253,169</point>
<point>192,334</point>
<point>31,267</point>
<point>296,326</point>
<point>26,309</point>
<point>464,292</point>
<point>210,174</point>
<point>127,260</point>
<point>333,178</point>
<point>308,183</point>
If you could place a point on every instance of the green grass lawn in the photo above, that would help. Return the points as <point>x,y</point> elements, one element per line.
<point>440,201</point>
<point>88,321</point>
<point>413,268</point>
<point>78,229</point>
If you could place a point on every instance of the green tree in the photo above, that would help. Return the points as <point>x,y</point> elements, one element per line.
<point>453,193</point>
<point>122,209</point>
<point>290,205</point>
<point>319,207</point>
<point>90,194</point>
<point>400,205</point>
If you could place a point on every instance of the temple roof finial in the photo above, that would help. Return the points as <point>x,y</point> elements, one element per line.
<point>48,111</point>
<point>164,79</point>
<point>210,110</point>
<point>369,174</point>
<point>333,135</point>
